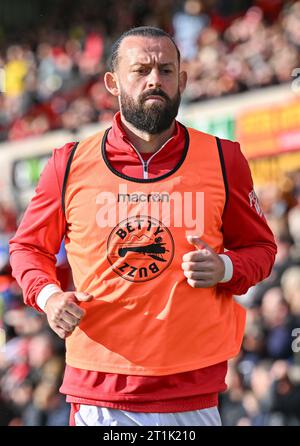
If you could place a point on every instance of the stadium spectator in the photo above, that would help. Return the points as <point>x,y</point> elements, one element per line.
<point>254,49</point>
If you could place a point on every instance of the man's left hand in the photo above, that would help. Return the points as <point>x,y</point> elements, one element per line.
<point>203,268</point>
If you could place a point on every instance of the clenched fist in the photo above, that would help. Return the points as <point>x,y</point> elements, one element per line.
<point>64,313</point>
<point>203,268</point>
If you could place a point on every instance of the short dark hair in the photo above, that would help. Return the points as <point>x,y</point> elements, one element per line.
<point>143,31</point>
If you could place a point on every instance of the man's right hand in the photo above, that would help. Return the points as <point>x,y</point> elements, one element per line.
<point>64,313</point>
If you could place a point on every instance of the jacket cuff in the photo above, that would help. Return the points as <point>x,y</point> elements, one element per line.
<point>228,268</point>
<point>45,293</point>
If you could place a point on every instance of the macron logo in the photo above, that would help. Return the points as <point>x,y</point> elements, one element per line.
<point>135,198</point>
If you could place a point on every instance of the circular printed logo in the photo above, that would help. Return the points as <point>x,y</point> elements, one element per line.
<point>140,248</point>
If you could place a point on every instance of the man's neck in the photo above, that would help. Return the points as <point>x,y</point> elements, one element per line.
<point>145,142</point>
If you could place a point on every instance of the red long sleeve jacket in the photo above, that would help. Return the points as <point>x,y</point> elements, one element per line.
<point>247,237</point>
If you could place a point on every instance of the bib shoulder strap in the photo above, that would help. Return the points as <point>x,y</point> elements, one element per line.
<point>67,171</point>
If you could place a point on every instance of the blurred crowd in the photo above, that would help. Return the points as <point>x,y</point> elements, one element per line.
<point>53,74</point>
<point>31,356</point>
<point>54,80</point>
<point>264,380</point>
<point>250,53</point>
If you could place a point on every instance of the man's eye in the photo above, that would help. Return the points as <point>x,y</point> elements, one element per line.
<point>166,70</point>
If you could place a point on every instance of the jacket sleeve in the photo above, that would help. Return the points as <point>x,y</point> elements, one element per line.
<point>247,236</point>
<point>41,231</point>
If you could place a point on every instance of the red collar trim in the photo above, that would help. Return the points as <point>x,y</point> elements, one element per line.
<point>118,137</point>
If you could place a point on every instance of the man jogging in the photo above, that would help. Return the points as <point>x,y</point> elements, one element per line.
<point>147,209</point>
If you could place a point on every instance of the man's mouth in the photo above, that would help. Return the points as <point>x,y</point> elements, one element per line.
<point>154,98</point>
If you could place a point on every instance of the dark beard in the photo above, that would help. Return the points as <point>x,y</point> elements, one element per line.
<point>154,118</point>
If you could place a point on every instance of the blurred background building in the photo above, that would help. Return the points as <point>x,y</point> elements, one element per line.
<point>243,62</point>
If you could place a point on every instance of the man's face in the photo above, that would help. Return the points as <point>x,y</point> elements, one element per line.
<point>150,85</point>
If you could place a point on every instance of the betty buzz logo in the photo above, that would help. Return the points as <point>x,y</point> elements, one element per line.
<point>140,248</point>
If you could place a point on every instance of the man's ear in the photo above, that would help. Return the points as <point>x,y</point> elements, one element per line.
<point>111,83</point>
<point>182,81</point>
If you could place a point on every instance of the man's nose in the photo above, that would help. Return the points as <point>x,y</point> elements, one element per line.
<point>154,79</point>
